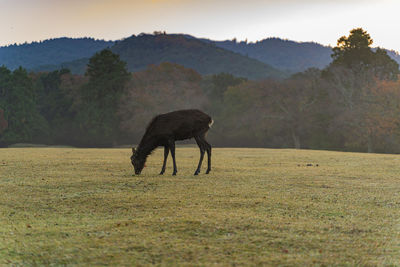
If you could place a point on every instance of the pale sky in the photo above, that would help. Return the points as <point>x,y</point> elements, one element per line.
<point>322,21</point>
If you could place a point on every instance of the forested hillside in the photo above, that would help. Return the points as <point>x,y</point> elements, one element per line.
<point>208,57</point>
<point>49,52</point>
<point>282,54</point>
<point>287,55</point>
<point>144,50</point>
<point>148,49</point>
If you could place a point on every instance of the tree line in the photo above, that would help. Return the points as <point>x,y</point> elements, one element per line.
<point>353,104</point>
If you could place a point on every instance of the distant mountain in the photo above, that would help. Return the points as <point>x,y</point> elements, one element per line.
<point>282,54</point>
<point>49,52</point>
<point>143,50</point>
<point>272,57</point>
<point>147,49</point>
<point>287,55</point>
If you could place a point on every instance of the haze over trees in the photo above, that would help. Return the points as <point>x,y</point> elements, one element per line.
<point>159,89</point>
<point>352,104</point>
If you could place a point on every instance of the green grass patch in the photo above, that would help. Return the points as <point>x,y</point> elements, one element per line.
<point>66,206</point>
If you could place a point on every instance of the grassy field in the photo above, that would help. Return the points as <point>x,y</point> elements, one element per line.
<point>65,206</point>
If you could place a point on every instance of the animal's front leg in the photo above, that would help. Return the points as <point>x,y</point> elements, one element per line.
<point>166,152</point>
<point>172,148</point>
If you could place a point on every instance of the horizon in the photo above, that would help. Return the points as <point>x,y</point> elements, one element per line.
<point>322,22</point>
<point>121,39</point>
<point>152,33</point>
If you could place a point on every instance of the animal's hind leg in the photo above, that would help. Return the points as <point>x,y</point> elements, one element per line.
<point>201,146</point>
<point>208,149</point>
<point>166,152</point>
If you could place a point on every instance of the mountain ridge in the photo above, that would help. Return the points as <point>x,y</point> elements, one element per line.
<point>50,51</point>
<point>270,57</point>
<point>149,49</point>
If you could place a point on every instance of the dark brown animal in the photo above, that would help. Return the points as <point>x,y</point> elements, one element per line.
<point>167,128</point>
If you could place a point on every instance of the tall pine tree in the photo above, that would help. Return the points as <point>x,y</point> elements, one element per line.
<point>97,115</point>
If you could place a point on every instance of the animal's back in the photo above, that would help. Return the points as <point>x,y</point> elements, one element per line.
<point>181,124</point>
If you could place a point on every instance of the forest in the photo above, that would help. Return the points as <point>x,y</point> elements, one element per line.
<point>352,104</point>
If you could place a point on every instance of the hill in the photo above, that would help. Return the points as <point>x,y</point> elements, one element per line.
<point>49,52</point>
<point>206,58</point>
<point>282,54</point>
<point>286,55</point>
<point>143,50</point>
<point>266,58</point>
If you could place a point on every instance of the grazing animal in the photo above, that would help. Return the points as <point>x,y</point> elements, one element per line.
<point>167,128</point>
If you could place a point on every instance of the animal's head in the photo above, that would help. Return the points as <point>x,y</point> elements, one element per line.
<point>137,162</point>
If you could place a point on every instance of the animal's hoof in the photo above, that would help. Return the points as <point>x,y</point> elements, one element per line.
<point>174,173</point>
<point>208,171</point>
<point>196,173</point>
<point>161,173</point>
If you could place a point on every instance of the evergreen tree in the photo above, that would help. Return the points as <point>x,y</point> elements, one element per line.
<point>25,124</point>
<point>100,96</point>
<point>354,52</point>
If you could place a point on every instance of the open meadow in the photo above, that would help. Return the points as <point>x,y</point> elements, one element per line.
<point>67,206</point>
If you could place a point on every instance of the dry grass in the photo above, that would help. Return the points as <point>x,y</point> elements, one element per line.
<point>64,206</point>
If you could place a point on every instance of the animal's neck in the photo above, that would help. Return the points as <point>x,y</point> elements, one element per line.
<point>145,147</point>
